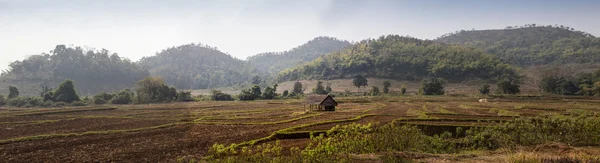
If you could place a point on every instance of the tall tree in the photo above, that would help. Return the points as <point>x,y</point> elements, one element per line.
<point>386,87</point>
<point>359,81</point>
<point>298,88</point>
<point>12,92</point>
<point>319,89</point>
<point>66,92</point>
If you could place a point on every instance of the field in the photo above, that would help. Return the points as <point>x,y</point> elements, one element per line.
<point>166,132</point>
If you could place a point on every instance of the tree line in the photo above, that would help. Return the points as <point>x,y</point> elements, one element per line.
<point>532,44</point>
<point>402,58</point>
<point>94,71</point>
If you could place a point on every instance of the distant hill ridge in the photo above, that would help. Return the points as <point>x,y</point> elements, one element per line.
<point>531,44</point>
<point>405,58</point>
<point>273,62</point>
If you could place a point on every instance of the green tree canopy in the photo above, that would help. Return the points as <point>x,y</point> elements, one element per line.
<point>359,81</point>
<point>93,71</point>
<point>386,87</point>
<point>298,89</point>
<point>66,92</point>
<point>13,92</point>
<point>433,86</point>
<point>402,58</point>
<point>531,45</point>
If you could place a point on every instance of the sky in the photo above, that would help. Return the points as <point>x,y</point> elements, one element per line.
<point>138,28</point>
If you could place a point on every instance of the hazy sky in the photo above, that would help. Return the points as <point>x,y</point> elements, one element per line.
<point>137,28</point>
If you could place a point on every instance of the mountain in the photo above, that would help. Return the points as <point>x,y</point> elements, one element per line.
<point>405,58</point>
<point>531,45</point>
<point>197,66</point>
<point>273,62</point>
<point>92,71</point>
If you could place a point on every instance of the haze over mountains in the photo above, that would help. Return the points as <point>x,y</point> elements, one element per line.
<point>485,55</point>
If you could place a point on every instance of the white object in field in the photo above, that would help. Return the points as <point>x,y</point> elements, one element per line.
<point>483,100</point>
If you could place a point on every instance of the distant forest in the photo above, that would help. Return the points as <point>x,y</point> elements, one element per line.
<point>405,58</point>
<point>273,62</point>
<point>92,71</point>
<point>197,66</point>
<point>458,56</point>
<point>531,44</point>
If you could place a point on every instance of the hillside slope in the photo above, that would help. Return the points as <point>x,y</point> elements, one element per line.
<point>531,45</point>
<point>92,71</point>
<point>273,62</point>
<point>402,58</point>
<point>196,66</point>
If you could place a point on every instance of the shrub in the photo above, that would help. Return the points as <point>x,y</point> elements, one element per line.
<point>66,92</point>
<point>219,96</point>
<point>49,96</point>
<point>102,98</point>
<point>508,87</point>
<point>269,92</point>
<point>434,86</point>
<point>13,92</point>
<point>285,93</point>
<point>403,89</point>
<point>485,89</point>
<point>154,89</point>
<point>374,91</point>
<point>559,85</point>
<point>123,97</point>
<point>319,89</point>
<point>25,102</point>
<point>17,102</point>
<point>298,88</point>
<point>2,100</point>
<point>78,103</point>
<point>184,96</point>
<point>386,87</point>
<point>250,94</point>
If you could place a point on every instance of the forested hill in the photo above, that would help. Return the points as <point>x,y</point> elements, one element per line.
<point>274,62</point>
<point>196,66</point>
<point>92,71</point>
<point>406,58</point>
<point>531,44</point>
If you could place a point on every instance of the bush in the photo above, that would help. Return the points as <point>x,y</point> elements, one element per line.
<point>285,93</point>
<point>250,94</point>
<point>184,96</point>
<point>319,89</point>
<point>298,88</point>
<point>269,93</point>
<point>13,92</point>
<point>17,102</point>
<point>77,103</point>
<point>508,87</point>
<point>2,100</point>
<point>123,97</point>
<point>403,89</point>
<point>223,97</point>
<point>102,98</point>
<point>154,89</point>
<point>485,89</point>
<point>25,102</point>
<point>386,87</point>
<point>434,86</point>
<point>374,91</point>
<point>66,92</point>
<point>559,85</point>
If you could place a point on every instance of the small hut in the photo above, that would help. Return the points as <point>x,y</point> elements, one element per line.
<point>320,102</point>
